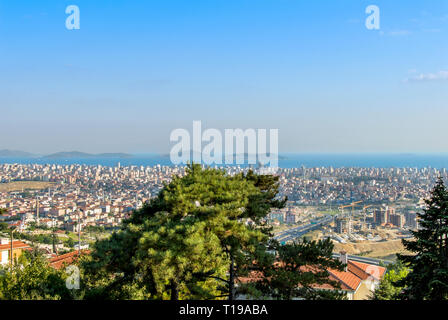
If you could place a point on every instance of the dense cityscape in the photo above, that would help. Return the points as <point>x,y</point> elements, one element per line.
<point>73,197</point>
<point>223,155</point>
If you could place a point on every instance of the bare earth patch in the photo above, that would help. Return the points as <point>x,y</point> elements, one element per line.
<point>372,249</point>
<point>24,185</point>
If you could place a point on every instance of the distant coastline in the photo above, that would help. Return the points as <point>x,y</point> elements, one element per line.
<point>286,160</point>
<point>83,155</point>
<point>61,155</point>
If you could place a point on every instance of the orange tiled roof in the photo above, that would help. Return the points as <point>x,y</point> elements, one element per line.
<point>65,259</point>
<point>365,270</point>
<point>348,280</point>
<point>15,244</point>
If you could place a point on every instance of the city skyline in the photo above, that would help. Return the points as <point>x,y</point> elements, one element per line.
<point>134,72</point>
<point>223,154</point>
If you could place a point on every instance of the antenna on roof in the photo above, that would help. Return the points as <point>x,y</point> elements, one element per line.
<point>37,209</point>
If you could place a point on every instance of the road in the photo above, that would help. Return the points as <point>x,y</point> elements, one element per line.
<point>300,231</point>
<point>365,259</point>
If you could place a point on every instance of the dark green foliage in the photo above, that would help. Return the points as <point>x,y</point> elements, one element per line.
<point>297,271</point>
<point>70,242</point>
<point>192,241</point>
<point>428,278</point>
<point>38,238</point>
<point>33,279</point>
<point>109,272</point>
<point>94,229</point>
<point>4,226</point>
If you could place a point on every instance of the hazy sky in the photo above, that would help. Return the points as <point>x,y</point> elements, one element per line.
<point>136,70</point>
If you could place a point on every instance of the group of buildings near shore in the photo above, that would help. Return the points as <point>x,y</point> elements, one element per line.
<point>81,196</point>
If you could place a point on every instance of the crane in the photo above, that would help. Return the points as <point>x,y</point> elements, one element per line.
<point>352,205</point>
<point>364,210</point>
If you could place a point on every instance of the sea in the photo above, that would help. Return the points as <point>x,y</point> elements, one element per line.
<point>286,160</point>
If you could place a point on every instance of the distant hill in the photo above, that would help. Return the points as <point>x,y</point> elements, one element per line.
<point>245,155</point>
<point>83,155</point>
<point>113,155</point>
<point>16,154</point>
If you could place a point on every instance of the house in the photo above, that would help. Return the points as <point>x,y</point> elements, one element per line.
<point>18,248</point>
<point>49,223</point>
<point>358,280</point>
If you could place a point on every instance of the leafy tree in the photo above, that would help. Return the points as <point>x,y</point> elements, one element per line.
<point>33,279</point>
<point>389,288</point>
<point>3,226</point>
<point>70,242</point>
<point>11,230</point>
<point>297,270</point>
<point>94,229</point>
<point>428,278</point>
<point>54,240</point>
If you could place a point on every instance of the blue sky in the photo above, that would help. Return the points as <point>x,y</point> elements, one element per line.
<point>136,70</point>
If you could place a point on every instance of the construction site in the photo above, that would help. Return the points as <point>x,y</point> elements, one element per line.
<point>374,231</point>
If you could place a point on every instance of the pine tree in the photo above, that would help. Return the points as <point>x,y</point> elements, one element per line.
<point>297,270</point>
<point>192,241</point>
<point>428,278</point>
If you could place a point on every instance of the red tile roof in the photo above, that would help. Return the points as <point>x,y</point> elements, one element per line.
<point>15,244</point>
<point>364,270</point>
<point>65,259</point>
<point>348,280</point>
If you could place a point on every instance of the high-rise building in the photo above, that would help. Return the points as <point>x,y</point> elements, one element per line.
<point>380,217</point>
<point>383,215</point>
<point>397,220</point>
<point>291,217</point>
<point>343,225</point>
<point>411,220</point>
<point>389,212</point>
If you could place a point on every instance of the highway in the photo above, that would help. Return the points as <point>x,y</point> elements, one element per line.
<point>300,231</point>
<point>364,259</point>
